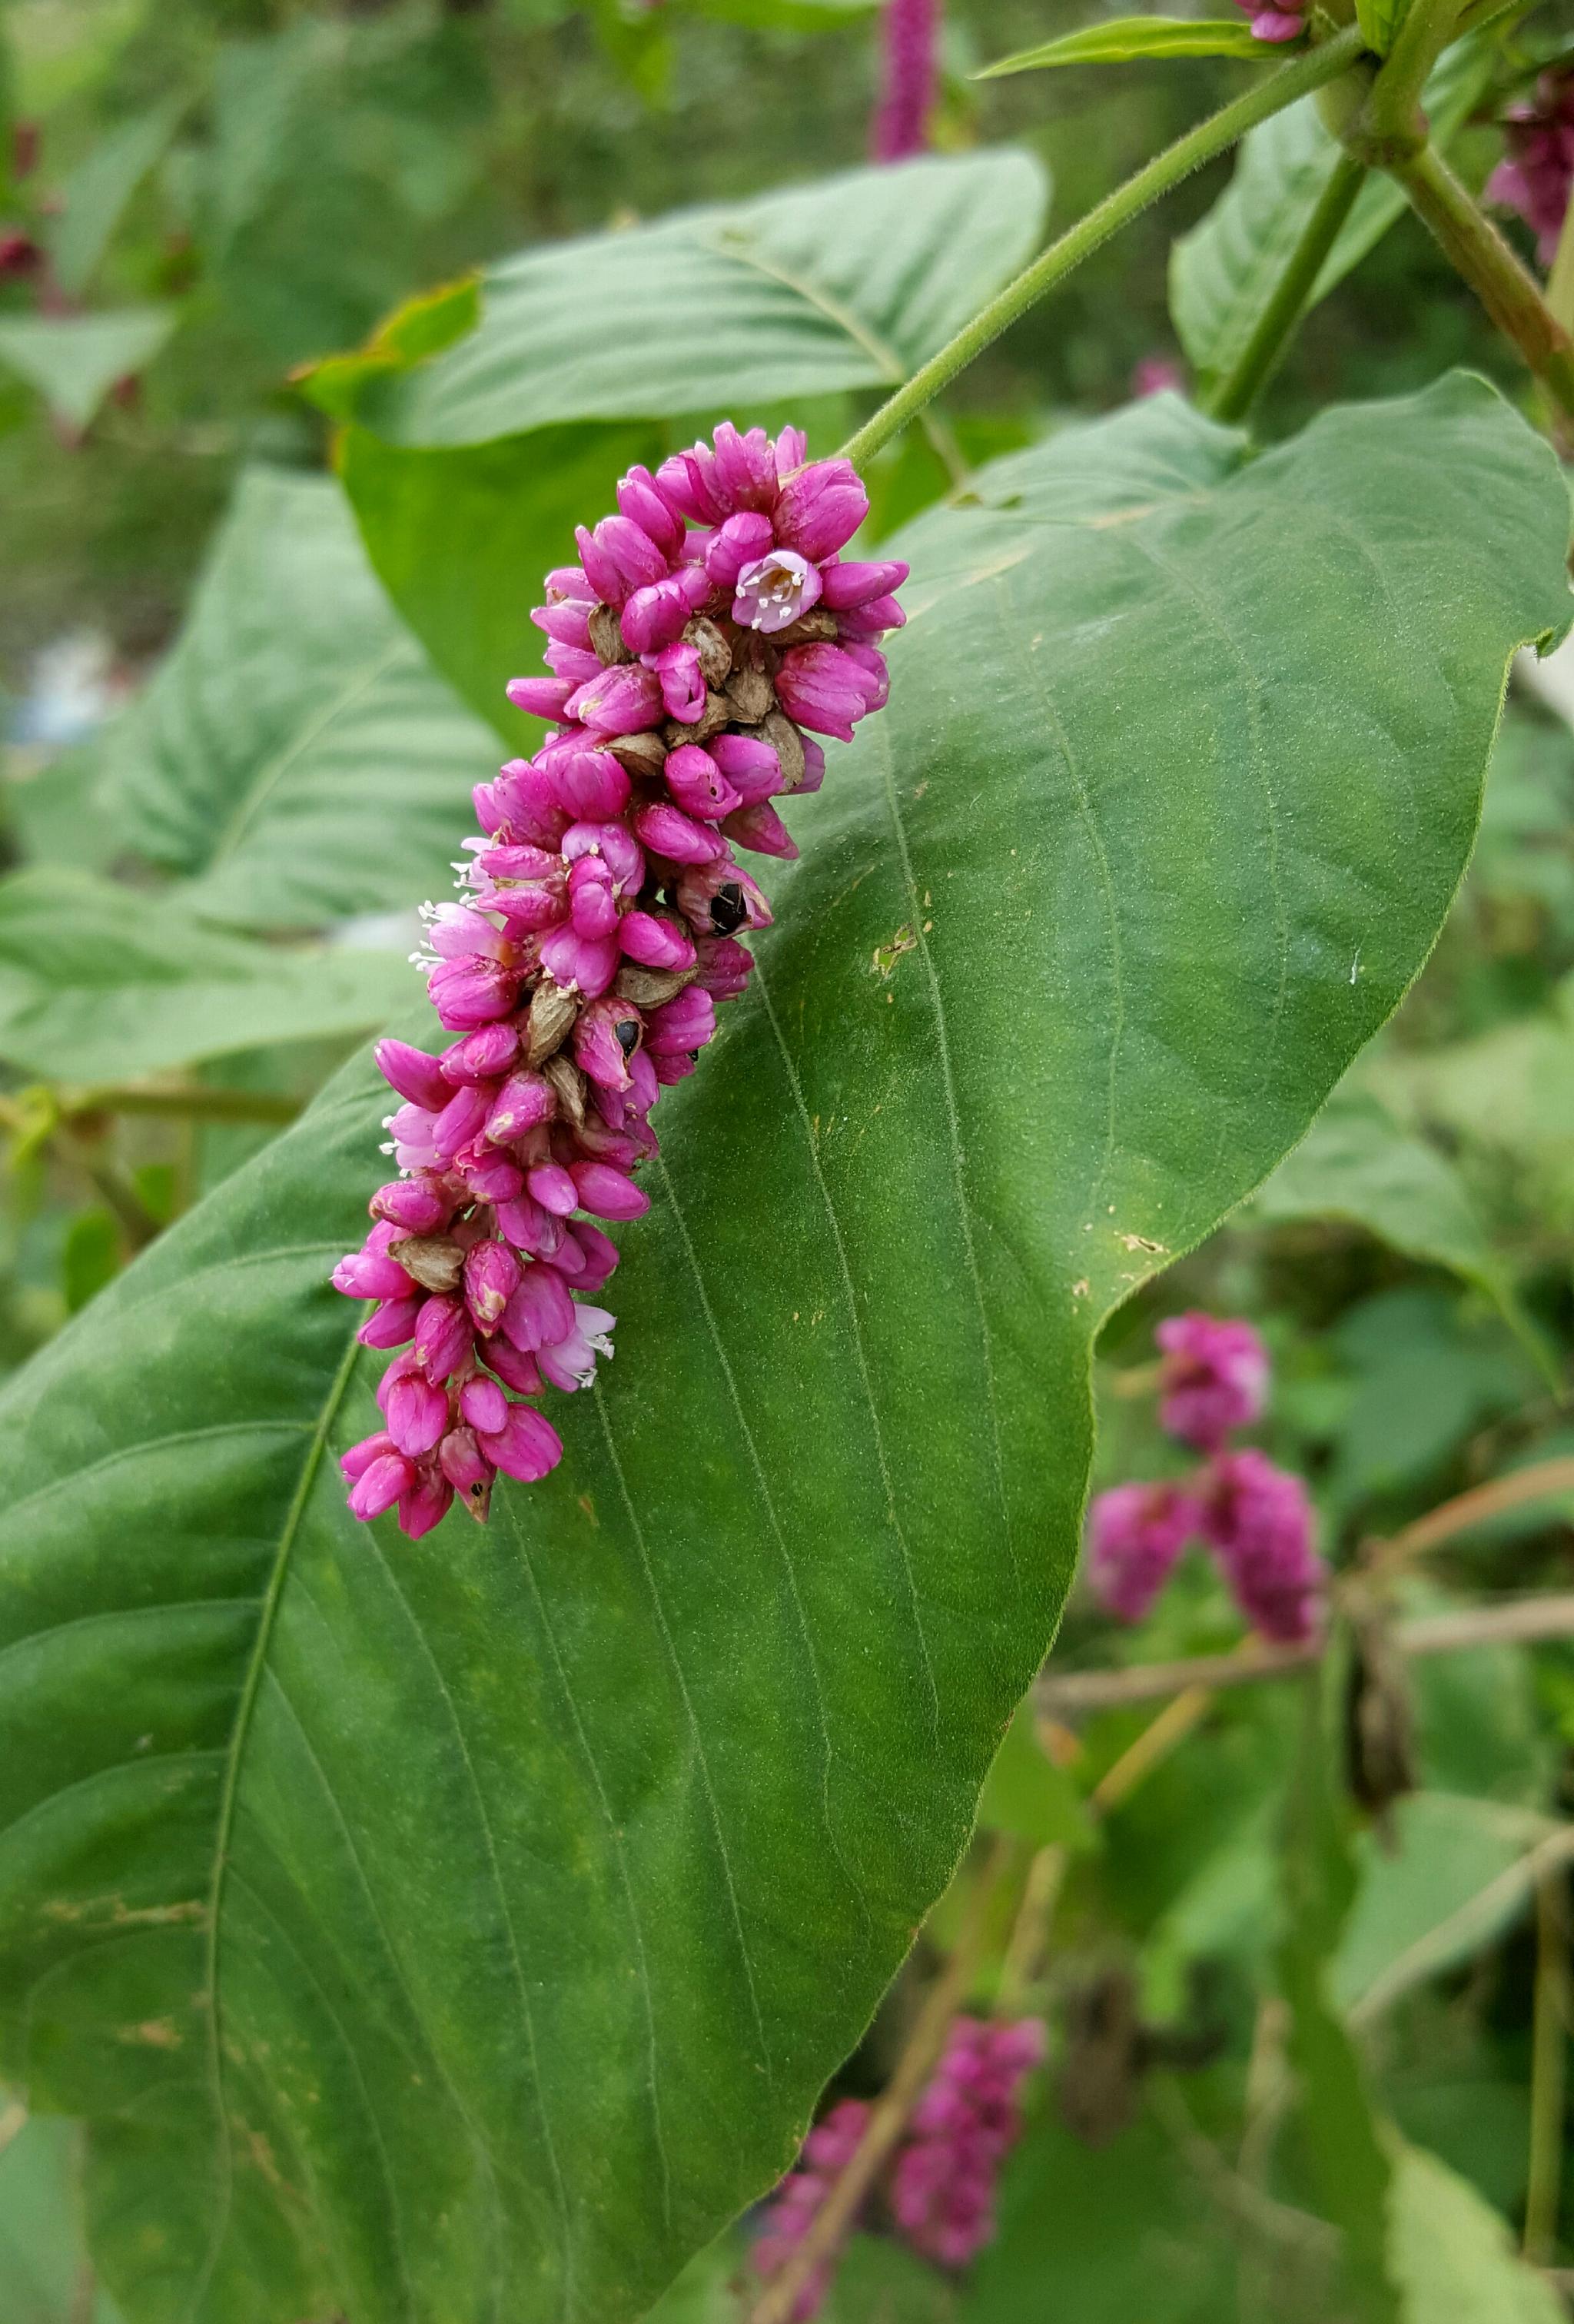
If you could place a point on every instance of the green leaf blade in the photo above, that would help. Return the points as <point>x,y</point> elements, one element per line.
<point>1123,39</point>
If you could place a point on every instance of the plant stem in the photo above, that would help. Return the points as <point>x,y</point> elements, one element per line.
<point>1505,286</point>
<point>1560,280</point>
<point>1235,393</point>
<point>1521,1622</point>
<point>1539,1482</point>
<point>187,1101</point>
<point>888,2115</point>
<point>1209,137</point>
<point>1548,2070</point>
<point>1392,118</point>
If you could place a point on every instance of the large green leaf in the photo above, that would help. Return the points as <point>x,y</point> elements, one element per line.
<point>849,282</point>
<point>98,982</point>
<point>1222,273</point>
<point>502,1901</point>
<point>295,757</point>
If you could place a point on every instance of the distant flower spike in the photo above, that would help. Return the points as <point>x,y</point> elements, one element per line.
<point>1213,1377</point>
<point>710,622</point>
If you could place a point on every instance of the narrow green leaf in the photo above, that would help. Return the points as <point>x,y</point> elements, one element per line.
<point>849,282</point>
<point>1222,273</point>
<point>1120,39</point>
<point>1450,2254</point>
<point>98,982</point>
<point>74,360</point>
<point>295,757</point>
<point>96,193</point>
<point>501,1903</point>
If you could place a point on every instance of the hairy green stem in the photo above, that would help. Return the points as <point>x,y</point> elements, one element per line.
<point>1392,123</point>
<point>1503,284</point>
<point>1241,386</point>
<point>1215,135</point>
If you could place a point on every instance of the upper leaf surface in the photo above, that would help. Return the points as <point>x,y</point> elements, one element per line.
<point>502,1901</point>
<point>849,282</point>
<point>295,757</point>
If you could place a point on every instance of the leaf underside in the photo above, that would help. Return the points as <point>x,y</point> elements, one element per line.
<point>464,1930</point>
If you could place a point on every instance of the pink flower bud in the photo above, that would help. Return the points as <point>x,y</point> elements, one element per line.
<point>484,1403</point>
<point>680,682</point>
<point>412,1073</point>
<point>589,782</point>
<point>697,783</point>
<point>426,1503</point>
<point>599,1251</point>
<point>526,1446</point>
<point>605,1036</point>
<point>540,1309</point>
<point>843,586</point>
<point>491,1277</point>
<point>821,508</point>
<point>615,845</point>
<point>481,1056</point>
<point>762,829</point>
<point>640,500</point>
<point>416,1411</point>
<point>466,1467</point>
<point>525,1100</point>
<point>470,992</point>
<point>390,1325</point>
<point>443,1338</point>
<point>514,1369</point>
<point>379,1486</point>
<point>541,698</point>
<point>593,907</point>
<point>414,1205</point>
<point>623,700</point>
<point>655,940</point>
<point>685,1023</point>
<point>745,468</point>
<point>585,964</point>
<point>359,1458</point>
<point>665,831</point>
<point>609,1194</point>
<point>550,1185</point>
<point>735,544</point>
<point>750,765</point>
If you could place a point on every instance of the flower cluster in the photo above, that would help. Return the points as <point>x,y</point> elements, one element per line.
<point>710,631</point>
<point>1276,20</point>
<point>942,2184</point>
<point>1255,1519</point>
<point>1535,176</point>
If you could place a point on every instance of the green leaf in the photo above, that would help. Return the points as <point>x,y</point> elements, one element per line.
<point>98,982</point>
<point>97,192</point>
<point>1120,39</point>
<point>1450,2254</point>
<point>1347,2155</point>
<point>1379,21</point>
<point>1102,2235</point>
<point>43,2258</point>
<point>295,757</point>
<point>1358,1165</point>
<point>74,360</point>
<point>849,282</point>
<point>503,1901</point>
<point>1223,273</point>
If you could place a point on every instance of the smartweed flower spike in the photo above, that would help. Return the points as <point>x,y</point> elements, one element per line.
<point>1134,1535</point>
<point>1213,1377</point>
<point>1535,176</point>
<point>909,79</point>
<point>710,633</point>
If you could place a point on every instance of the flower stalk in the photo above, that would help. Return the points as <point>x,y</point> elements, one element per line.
<point>1210,137</point>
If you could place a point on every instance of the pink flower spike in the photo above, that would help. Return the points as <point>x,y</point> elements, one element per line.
<point>1136,1533</point>
<point>1213,1377</point>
